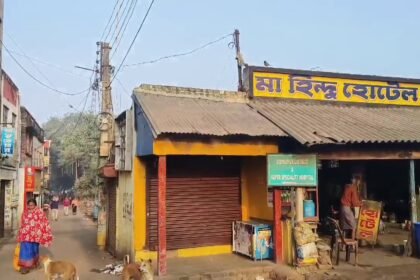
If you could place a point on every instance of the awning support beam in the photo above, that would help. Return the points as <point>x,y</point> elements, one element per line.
<point>413,192</point>
<point>368,155</point>
<point>278,229</point>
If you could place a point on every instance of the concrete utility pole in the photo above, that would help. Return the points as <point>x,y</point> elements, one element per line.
<point>238,58</point>
<point>106,78</point>
<point>1,31</point>
<point>106,117</point>
<point>106,126</point>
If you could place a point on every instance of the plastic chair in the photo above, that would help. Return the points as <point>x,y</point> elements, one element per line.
<point>341,240</point>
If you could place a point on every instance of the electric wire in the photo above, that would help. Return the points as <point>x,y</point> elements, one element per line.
<point>36,60</point>
<point>133,41</point>
<point>180,54</point>
<point>36,79</point>
<point>123,29</point>
<point>125,14</point>
<point>82,112</point>
<point>113,21</point>
<point>118,16</point>
<point>65,126</point>
<point>110,18</point>
<point>33,64</point>
<point>125,90</point>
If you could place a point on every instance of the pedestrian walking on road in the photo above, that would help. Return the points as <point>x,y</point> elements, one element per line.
<point>46,207</point>
<point>74,204</point>
<point>66,204</point>
<point>54,208</point>
<point>34,230</point>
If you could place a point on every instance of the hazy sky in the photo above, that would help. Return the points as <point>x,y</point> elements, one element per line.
<point>357,36</point>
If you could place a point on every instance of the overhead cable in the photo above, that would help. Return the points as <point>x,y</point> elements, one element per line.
<point>113,21</point>
<point>110,18</point>
<point>125,90</point>
<point>123,28</point>
<point>133,41</point>
<point>120,23</point>
<point>33,64</point>
<point>36,60</point>
<point>82,112</point>
<point>39,81</point>
<point>180,54</point>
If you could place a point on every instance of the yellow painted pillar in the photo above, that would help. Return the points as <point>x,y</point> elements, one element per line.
<point>139,205</point>
<point>244,190</point>
<point>102,223</point>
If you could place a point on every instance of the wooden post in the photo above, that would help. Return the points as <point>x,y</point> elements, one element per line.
<point>299,204</point>
<point>162,265</point>
<point>278,230</point>
<point>413,192</point>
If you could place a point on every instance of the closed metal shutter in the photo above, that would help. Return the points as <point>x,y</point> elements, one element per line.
<point>200,211</point>
<point>112,219</point>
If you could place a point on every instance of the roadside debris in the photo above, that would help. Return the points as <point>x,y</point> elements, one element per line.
<point>113,269</point>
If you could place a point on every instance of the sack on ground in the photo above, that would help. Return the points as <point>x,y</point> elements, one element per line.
<point>307,251</point>
<point>304,234</point>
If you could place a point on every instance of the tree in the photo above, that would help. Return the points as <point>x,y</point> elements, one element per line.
<point>74,152</point>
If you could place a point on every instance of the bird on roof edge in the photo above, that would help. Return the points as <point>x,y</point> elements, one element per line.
<point>266,64</point>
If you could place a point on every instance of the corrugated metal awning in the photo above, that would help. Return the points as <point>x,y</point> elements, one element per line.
<point>313,123</point>
<point>175,110</point>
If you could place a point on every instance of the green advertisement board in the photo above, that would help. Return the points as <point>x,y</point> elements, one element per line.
<point>292,170</point>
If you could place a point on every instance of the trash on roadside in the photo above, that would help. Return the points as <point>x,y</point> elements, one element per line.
<point>113,269</point>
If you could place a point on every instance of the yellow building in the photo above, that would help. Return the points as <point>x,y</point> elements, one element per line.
<point>199,156</point>
<point>206,149</point>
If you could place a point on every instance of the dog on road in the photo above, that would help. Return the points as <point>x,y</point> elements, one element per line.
<point>138,271</point>
<point>53,269</point>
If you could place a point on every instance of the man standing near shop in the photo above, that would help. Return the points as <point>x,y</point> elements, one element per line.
<point>350,200</point>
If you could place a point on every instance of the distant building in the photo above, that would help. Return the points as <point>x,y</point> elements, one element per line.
<point>9,161</point>
<point>32,158</point>
<point>47,162</point>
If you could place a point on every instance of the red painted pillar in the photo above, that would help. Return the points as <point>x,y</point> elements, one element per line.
<point>278,230</point>
<point>162,265</point>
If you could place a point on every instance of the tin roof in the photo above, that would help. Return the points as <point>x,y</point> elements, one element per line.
<point>313,123</point>
<point>180,110</point>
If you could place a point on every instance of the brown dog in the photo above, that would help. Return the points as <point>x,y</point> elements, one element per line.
<point>66,270</point>
<point>138,271</point>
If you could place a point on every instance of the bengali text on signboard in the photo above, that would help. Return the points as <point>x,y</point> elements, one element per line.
<point>334,89</point>
<point>29,179</point>
<point>292,170</point>
<point>369,219</point>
